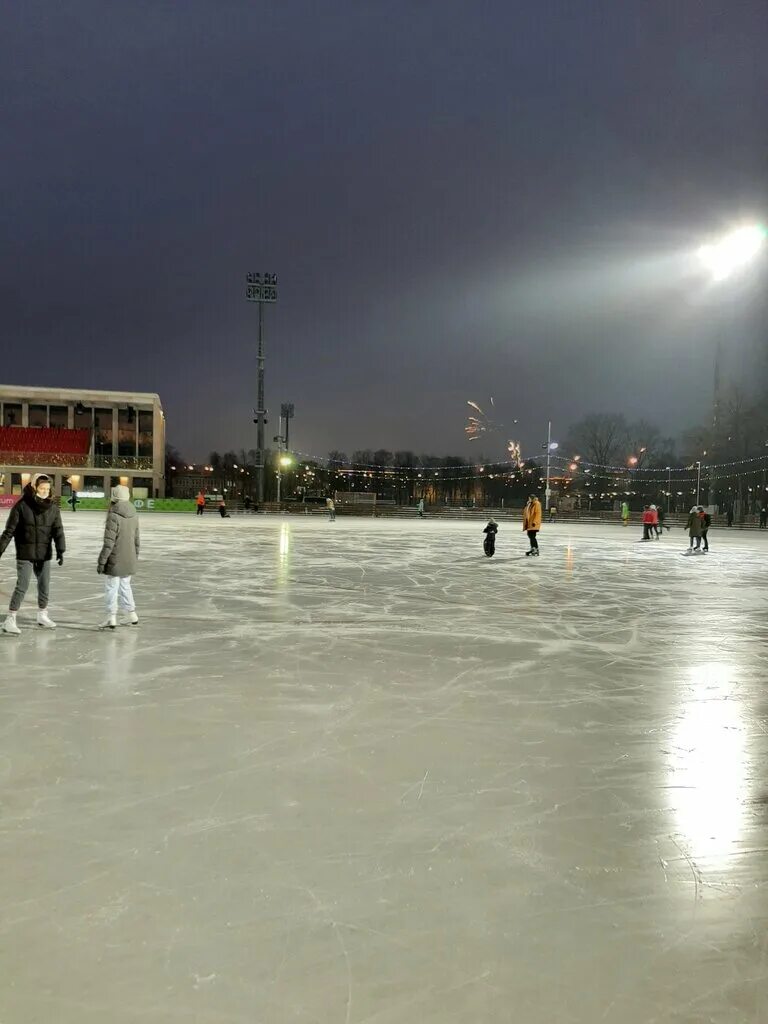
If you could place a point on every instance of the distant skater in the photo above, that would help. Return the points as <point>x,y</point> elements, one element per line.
<point>200,502</point>
<point>661,516</point>
<point>655,529</point>
<point>330,505</point>
<point>625,513</point>
<point>729,515</point>
<point>420,508</point>
<point>706,522</point>
<point>73,500</point>
<point>763,515</point>
<point>489,544</point>
<point>693,525</point>
<point>119,558</point>
<point>648,521</point>
<point>223,510</point>
<point>532,523</point>
<point>553,513</point>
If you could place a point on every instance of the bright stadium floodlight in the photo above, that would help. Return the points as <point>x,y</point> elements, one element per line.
<point>733,251</point>
<point>285,460</point>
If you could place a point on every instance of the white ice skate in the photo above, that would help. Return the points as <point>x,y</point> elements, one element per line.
<point>44,620</point>
<point>130,619</point>
<point>9,626</point>
<point>109,623</point>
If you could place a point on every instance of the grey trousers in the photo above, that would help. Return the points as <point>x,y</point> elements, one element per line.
<point>24,570</point>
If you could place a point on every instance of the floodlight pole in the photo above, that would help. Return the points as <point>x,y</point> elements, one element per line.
<point>260,288</point>
<point>549,453</point>
<point>260,412</point>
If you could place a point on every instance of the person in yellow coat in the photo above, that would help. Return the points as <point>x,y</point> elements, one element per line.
<point>532,523</point>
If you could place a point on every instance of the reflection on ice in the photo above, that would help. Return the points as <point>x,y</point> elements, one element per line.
<point>709,771</point>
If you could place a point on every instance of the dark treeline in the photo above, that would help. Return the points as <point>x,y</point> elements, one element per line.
<point>605,459</point>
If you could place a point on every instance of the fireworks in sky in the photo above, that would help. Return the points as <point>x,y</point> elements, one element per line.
<point>480,424</point>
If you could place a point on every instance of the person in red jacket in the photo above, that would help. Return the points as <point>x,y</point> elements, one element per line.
<point>655,528</point>
<point>649,518</point>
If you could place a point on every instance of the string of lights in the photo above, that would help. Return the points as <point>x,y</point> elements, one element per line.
<point>655,469</point>
<point>501,467</point>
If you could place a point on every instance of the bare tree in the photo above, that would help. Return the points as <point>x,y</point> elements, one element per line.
<point>601,438</point>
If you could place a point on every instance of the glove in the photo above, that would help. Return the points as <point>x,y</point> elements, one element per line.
<point>100,570</point>
<point>60,559</point>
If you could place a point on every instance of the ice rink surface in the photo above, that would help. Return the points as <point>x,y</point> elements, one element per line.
<point>357,773</point>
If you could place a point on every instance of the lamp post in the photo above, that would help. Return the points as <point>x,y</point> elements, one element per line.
<point>260,288</point>
<point>698,480</point>
<point>669,486</point>
<point>283,462</point>
<point>551,446</point>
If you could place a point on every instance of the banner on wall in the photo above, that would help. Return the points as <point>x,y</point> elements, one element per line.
<point>8,500</point>
<point>141,504</point>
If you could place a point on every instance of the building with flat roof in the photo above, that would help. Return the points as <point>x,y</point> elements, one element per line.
<point>85,440</point>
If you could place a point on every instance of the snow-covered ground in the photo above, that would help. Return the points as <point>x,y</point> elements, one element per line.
<point>359,773</point>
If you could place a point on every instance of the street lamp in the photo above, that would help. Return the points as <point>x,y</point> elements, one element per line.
<point>733,251</point>
<point>551,446</point>
<point>283,462</point>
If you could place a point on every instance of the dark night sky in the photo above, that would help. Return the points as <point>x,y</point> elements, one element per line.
<point>460,200</point>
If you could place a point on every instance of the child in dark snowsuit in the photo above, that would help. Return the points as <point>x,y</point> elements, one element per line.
<point>489,544</point>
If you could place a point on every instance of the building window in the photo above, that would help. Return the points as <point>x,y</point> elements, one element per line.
<point>57,416</point>
<point>126,431</point>
<point>93,485</point>
<point>145,435</point>
<point>103,431</point>
<point>12,414</point>
<point>83,417</point>
<point>38,416</point>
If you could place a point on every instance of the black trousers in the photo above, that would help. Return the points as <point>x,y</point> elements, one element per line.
<point>704,539</point>
<point>532,539</point>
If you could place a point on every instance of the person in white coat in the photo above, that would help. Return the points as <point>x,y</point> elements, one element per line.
<point>119,558</point>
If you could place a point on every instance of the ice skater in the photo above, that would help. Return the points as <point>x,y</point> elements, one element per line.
<point>661,516</point>
<point>532,523</point>
<point>200,502</point>
<point>763,515</point>
<point>648,522</point>
<point>489,544</point>
<point>420,508</point>
<point>223,510</point>
<point>706,522</point>
<point>625,513</point>
<point>119,558</point>
<point>655,528</point>
<point>693,525</point>
<point>330,505</point>
<point>35,526</point>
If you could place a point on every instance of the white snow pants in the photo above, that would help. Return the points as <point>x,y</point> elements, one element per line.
<point>118,587</point>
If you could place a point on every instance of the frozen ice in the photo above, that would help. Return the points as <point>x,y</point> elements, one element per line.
<point>359,773</point>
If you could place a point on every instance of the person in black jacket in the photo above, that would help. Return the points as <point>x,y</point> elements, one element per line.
<point>35,527</point>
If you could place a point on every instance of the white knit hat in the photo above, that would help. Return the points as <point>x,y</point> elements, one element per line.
<point>121,493</point>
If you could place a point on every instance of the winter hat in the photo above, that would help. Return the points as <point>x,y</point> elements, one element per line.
<point>121,493</point>
<point>40,478</point>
